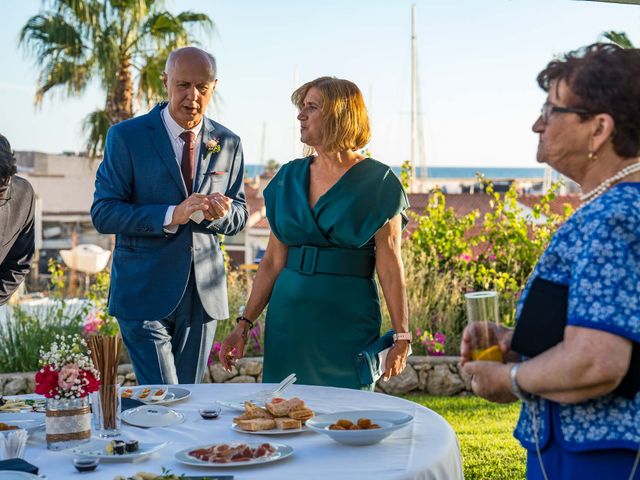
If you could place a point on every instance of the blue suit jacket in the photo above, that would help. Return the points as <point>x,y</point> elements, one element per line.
<point>138,179</point>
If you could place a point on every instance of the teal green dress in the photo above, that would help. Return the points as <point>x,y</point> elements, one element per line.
<point>317,323</point>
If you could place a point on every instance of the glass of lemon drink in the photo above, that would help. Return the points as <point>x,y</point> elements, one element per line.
<point>484,319</point>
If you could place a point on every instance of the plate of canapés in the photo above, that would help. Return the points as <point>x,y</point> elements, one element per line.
<point>16,421</point>
<point>279,416</point>
<point>233,454</point>
<point>116,450</point>
<point>158,395</point>
<point>20,405</point>
<point>360,427</point>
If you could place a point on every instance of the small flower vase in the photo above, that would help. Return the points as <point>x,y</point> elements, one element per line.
<point>106,407</point>
<point>68,422</point>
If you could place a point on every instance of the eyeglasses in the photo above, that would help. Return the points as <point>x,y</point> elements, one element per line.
<point>549,108</point>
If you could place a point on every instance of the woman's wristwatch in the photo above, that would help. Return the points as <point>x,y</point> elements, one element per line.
<point>402,336</point>
<point>515,387</point>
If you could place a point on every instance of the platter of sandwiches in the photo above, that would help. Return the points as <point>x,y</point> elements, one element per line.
<point>279,416</point>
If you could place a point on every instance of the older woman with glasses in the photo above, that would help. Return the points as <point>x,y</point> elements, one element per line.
<point>574,357</point>
<point>336,217</point>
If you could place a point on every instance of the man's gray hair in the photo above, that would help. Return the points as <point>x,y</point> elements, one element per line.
<point>171,60</point>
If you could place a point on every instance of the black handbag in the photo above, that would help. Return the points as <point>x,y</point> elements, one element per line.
<point>541,326</point>
<point>367,362</point>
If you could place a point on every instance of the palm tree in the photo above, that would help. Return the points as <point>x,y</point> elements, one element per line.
<point>121,43</point>
<point>619,38</point>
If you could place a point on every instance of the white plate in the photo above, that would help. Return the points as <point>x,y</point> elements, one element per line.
<point>282,451</point>
<point>16,475</point>
<point>237,405</point>
<point>273,431</point>
<point>96,449</point>
<point>389,420</point>
<point>28,421</point>
<point>152,416</point>
<point>174,394</point>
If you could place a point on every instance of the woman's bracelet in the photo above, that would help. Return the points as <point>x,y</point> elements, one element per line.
<point>241,318</point>
<point>515,387</point>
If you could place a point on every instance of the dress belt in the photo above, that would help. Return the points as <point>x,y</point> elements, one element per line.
<point>309,260</point>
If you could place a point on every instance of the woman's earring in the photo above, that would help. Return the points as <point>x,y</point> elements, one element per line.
<point>592,156</point>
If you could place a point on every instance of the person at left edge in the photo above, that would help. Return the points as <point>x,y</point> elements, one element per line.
<point>168,284</point>
<point>17,210</point>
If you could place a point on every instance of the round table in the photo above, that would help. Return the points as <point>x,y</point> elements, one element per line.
<point>426,449</point>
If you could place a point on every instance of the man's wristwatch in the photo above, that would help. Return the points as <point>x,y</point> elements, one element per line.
<point>402,336</point>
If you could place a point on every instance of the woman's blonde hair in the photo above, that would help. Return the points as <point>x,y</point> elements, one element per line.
<point>345,123</point>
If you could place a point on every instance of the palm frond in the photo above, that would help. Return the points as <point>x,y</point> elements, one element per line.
<point>84,12</point>
<point>107,50</point>
<point>74,77</point>
<point>150,87</point>
<point>95,127</point>
<point>619,38</point>
<point>49,36</point>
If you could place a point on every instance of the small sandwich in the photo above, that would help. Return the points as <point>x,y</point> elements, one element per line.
<point>256,424</point>
<point>302,414</point>
<point>281,408</point>
<point>285,423</point>
<point>251,410</point>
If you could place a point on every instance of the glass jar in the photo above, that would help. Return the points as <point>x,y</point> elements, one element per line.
<point>68,422</point>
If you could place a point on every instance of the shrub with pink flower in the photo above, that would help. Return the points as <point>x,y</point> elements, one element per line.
<point>433,343</point>
<point>213,354</point>
<point>91,324</point>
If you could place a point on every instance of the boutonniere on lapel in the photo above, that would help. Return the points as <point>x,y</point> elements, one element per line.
<point>213,146</point>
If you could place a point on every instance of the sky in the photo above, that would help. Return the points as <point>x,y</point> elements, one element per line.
<point>477,64</point>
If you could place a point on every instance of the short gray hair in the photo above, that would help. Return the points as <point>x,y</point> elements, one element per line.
<point>171,60</point>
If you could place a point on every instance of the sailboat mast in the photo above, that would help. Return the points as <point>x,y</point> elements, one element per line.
<point>414,96</point>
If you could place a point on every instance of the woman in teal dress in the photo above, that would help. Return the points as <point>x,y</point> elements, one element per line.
<point>336,217</point>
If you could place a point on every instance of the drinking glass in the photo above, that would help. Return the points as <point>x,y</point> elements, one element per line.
<point>483,322</point>
<point>106,406</point>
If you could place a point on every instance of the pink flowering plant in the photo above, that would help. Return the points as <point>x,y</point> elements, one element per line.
<point>97,321</point>
<point>67,370</point>
<point>432,343</point>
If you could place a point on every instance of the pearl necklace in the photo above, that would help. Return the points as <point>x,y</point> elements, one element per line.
<point>600,189</point>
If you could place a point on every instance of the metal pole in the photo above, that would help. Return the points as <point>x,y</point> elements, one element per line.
<point>414,99</point>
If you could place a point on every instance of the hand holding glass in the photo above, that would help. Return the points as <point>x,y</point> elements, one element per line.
<point>483,324</point>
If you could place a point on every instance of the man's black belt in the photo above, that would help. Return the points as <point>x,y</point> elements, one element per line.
<point>309,260</point>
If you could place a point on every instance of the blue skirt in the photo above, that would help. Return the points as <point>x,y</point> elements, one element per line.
<point>561,464</point>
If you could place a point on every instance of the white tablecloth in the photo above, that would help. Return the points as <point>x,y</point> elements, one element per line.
<point>426,449</point>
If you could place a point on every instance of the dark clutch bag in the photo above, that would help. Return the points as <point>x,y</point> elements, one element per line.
<point>541,326</point>
<point>367,363</point>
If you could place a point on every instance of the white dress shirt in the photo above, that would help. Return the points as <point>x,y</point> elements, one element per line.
<point>174,130</point>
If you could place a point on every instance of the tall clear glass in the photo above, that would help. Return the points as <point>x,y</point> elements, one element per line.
<point>483,318</point>
<point>106,406</point>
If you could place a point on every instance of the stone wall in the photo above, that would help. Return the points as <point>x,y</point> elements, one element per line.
<point>431,375</point>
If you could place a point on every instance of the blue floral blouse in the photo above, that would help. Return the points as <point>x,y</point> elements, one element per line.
<point>596,253</point>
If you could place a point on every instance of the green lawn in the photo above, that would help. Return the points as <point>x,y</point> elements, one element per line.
<point>484,429</point>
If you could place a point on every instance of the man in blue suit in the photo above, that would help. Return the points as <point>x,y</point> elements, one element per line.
<point>169,184</point>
